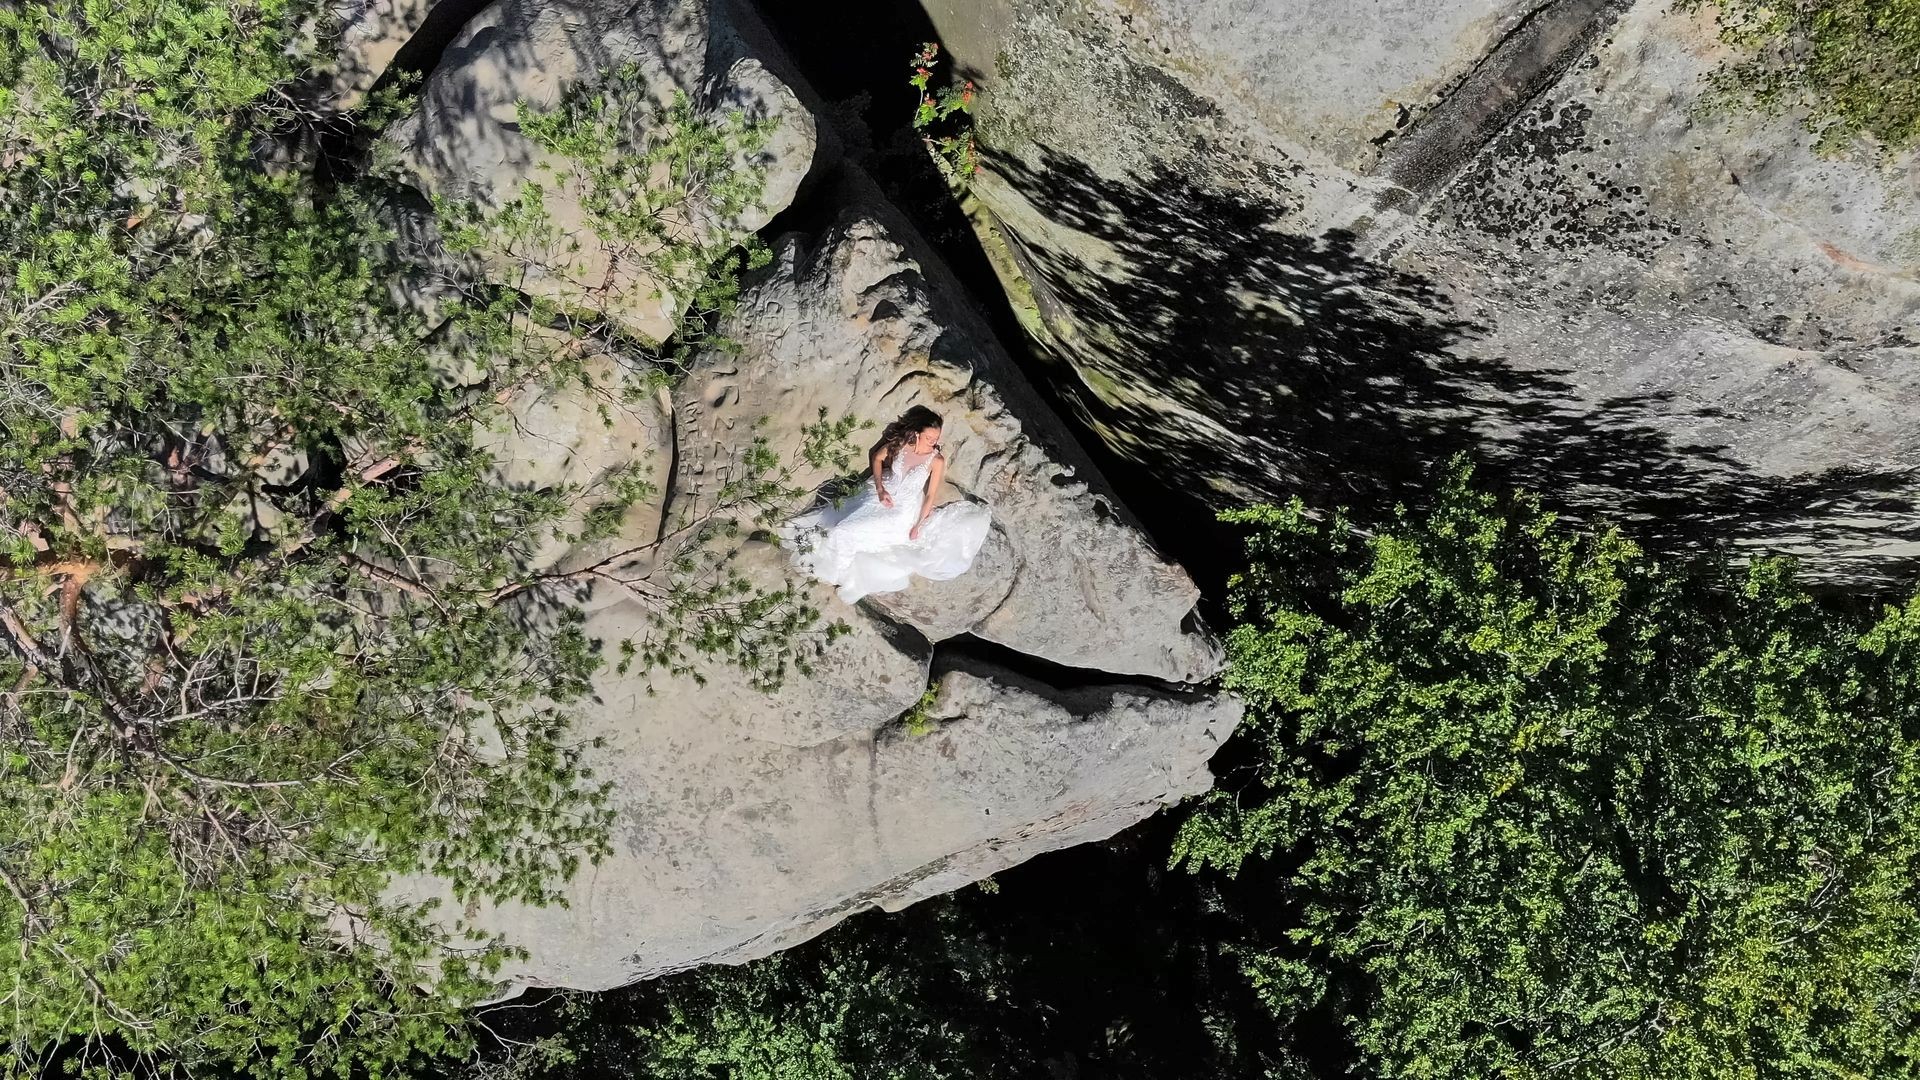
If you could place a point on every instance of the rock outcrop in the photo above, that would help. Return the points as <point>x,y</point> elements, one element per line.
<point>733,846</point>
<point>1057,692</point>
<point>848,327</point>
<point>463,143</point>
<point>749,821</point>
<point>1315,247</point>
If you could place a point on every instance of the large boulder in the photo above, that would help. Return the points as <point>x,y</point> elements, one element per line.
<point>906,760</point>
<point>731,845</point>
<point>1316,247</point>
<point>894,760</point>
<point>463,143</point>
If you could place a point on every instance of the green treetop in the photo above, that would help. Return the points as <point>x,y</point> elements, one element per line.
<point>1541,805</point>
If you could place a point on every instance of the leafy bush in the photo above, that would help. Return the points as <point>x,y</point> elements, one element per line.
<point>1540,805</point>
<point>1852,67</point>
<point>923,995</point>
<point>954,151</point>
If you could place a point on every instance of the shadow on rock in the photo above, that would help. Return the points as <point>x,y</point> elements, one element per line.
<point>1239,360</point>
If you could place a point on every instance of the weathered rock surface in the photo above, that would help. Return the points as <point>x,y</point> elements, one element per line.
<point>850,326</point>
<point>1315,246</point>
<point>732,846</point>
<point>463,141</point>
<point>749,821</point>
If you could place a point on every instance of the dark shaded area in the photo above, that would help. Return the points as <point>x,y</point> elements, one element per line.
<point>1272,363</point>
<point>421,54</point>
<point>968,652</point>
<point>863,76</point>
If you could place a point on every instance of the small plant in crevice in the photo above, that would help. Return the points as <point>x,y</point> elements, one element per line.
<point>951,144</point>
<point>919,720</point>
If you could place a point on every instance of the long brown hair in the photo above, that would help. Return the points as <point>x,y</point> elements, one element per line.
<point>911,423</point>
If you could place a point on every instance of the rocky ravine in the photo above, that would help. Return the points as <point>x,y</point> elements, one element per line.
<point>1313,246</point>
<point>748,822</point>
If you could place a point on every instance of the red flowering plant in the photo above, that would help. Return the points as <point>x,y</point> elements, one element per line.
<point>953,150</point>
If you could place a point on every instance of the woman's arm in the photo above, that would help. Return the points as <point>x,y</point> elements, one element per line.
<point>879,463</point>
<point>935,473</point>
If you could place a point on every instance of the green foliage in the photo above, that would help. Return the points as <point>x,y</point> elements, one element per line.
<point>1093,962</point>
<point>661,189</point>
<point>171,75</point>
<point>708,611</point>
<point>1851,67</point>
<point>919,720</point>
<point>269,629</point>
<point>954,151</point>
<point>873,1000</point>
<point>1539,805</point>
<point>783,1020</point>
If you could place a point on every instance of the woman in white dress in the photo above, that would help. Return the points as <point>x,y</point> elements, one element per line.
<point>876,540</point>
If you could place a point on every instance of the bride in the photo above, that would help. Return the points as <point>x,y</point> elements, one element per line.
<point>876,539</point>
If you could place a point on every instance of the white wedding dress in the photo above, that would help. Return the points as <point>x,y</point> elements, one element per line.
<point>863,546</point>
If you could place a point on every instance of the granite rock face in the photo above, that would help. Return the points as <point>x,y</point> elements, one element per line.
<point>732,846</point>
<point>1316,247</point>
<point>750,821</point>
<point>850,326</point>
